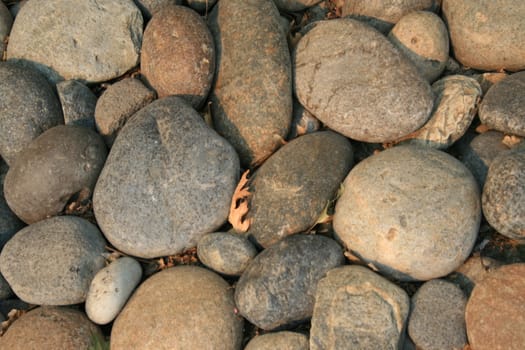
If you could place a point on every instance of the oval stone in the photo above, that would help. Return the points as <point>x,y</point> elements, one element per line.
<point>283,340</point>
<point>28,107</point>
<point>53,261</point>
<point>278,287</point>
<point>110,289</point>
<point>168,180</point>
<point>184,307</point>
<point>291,189</point>
<point>358,83</point>
<point>62,162</point>
<point>252,96</point>
<point>178,54</point>
<point>412,212</point>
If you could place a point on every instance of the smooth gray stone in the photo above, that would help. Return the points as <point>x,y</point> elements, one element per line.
<point>303,122</point>
<point>168,180</point>
<point>53,261</point>
<point>78,103</point>
<point>355,306</point>
<point>9,222</point>
<point>201,5</point>
<point>28,107</point>
<point>295,5</point>
<point>474,270</point>
<point>283,340</point>
<point>5,289</point>
<point>278,287</point>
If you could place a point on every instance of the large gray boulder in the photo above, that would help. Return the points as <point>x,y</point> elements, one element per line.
<point>168,180</point>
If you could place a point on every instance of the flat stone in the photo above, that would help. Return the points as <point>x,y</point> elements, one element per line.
<point>6,21</point>
<point>278,287</point>
<point>475,269</point>
<point>226,253</point>
<point>78,103</point>
<point>495,313</point>
<point>28,107</point>
<point>291,189</point>
<point>178,55</point>
<point>58,165</point>
<point>503,107</point>
<point>201,313</point>
<point>168,180</point>
<point>53,261</point>
<point>487,35</point>
<point>358,83</point>
<point>117,104</point>
<point>283,340</point>
<point>356,306</point>
<point>423,37</point>
<point>503,196</point>
<point>437,317</point>
<point>110,289</point>
<point>51,328</point>
<point>412,212</point>
<point>67,40</point>
<point>252,96</point>
<point>295,5</point>
<point>455,107</point>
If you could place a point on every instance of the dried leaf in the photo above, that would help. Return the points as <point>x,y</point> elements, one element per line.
<point>12,316</point>
<point>511,140</point>
<point>351,257</point>
<point>239,205</point>
<point>482,128</point>
<point>372,266</point>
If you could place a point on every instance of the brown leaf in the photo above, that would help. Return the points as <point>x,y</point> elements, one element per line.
<point>482,128</point>
<point>12,316</point>
<point>511,140</point>
<point>239,205</point>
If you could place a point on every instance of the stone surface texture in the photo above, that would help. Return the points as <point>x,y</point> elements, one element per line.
<point>295,5</point>
<point>78,103</point>
<point>6,21</point>
<point>283,340</point>
<point>150,7</point>
<point>474,270</point>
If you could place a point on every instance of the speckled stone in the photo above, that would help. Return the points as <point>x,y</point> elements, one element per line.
<point>283,340</point>
<point>475,269</point>
<point>78,103</point>
<point>413,212</point>
<point>6,21</point>
<point>504,194</point>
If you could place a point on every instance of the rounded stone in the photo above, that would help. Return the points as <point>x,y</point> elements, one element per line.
<point>168,180</point>
<point>110,289</point>
<point>51,328</point>
<point>53,261</point>
<point>487,35</point>
<point>6,21</point>
<point>358,83</point>
<point>503,196</point>
<point>226,253</point>
<point>61,163</point>
<point>283,340</point>
<point>252,96</point>
<point>412,212</point>
<point>9,222</point>
<point>437,318</point>
<point>503,107</point>
<point>150,7</point>
<point>291,189</point>
<point>201,5</point>
<point>278,287</point>
<point>475,269</point>
<point>495,313</point>
<point>201,313</point>
<point>28,107</point>
<point>75,43</point>
<point>117,104</point>
<point>423,37</point>
<point>178,54</point>
<point>295,5</point>
<point>78,103</point>
<point>354,305</point>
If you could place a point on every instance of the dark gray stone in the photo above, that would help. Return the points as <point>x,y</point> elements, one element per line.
<point>226,253</point>
<point>53,261</point>
<point>291,189</point>
<point>117,104</point>
<point>201,5</point>
<point>178,55</point>
<point>358,83</point>
<point>295,5</point>
<point>503,107</point>
<point>252,96</point>
<point>6,21</point>
<point>358,309</point>
<point>412,212</point>
<point>69,40</point>
<point>437,318</point>
<point>503,196</point>
<point>278,287</point>
<point>184,307</point>
<point>62,163</point>
<point>168,180</point>
<point>9,222</point>
<point>487,35</point>
<point>303,122</point>
<point>5,289</point>
<point>78,103</point>
<point>283,340</point>
<point>28,107</point>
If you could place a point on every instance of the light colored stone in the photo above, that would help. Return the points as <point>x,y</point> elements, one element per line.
<point>283,340</point>
<point>110,289</point>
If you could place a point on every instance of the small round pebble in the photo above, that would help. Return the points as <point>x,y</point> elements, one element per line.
<point>226,253</point>
<point>495,313</point>
<point>437,318</point>
<point>283,340</point>
<point>78,103</point>
<point>503,196</point>
<point>110,289</point>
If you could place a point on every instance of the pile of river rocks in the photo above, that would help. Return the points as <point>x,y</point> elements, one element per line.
<point>380,148</point>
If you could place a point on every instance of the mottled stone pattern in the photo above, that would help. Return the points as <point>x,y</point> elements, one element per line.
<point>283,340</point>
